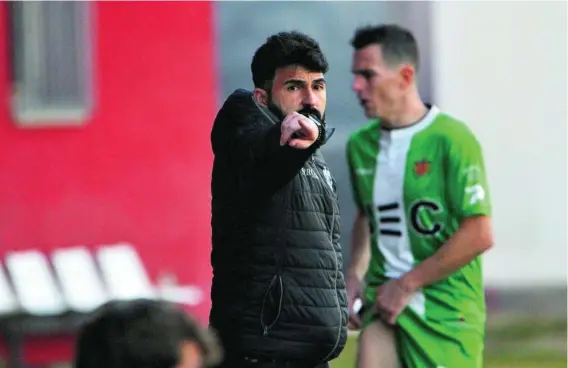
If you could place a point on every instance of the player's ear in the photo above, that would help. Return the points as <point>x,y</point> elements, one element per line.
<point>407,75</point>
<point>261,97</point>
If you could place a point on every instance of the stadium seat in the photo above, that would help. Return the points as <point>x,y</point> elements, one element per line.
<point>8,302</point>
<point>44,295</point>
<point>34,283</point>
<point>123,272</point>
<point>81,285</point>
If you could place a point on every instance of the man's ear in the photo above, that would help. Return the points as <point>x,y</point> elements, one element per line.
<point>408,75</point>
<point>261,97</point>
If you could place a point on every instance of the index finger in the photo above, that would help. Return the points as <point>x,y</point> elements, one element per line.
<point>307,124</point>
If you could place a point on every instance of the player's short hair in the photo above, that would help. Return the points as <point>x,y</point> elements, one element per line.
<point>397,43</point>
<point>140,334</point>
<point>285,49</point>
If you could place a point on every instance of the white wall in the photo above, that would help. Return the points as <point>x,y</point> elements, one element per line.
<point>501,66</point>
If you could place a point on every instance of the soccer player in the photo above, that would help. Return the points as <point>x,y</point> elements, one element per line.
<point>419,183</point>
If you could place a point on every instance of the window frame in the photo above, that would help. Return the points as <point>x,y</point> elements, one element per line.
<point>28,108</point>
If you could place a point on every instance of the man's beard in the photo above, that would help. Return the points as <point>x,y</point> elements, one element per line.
<point>276,110</point>
<point>306,110</point>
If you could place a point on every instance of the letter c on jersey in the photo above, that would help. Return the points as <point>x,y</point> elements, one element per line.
<point>415,217</point>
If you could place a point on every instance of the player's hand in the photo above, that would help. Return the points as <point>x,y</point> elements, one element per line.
<point>392,298</point>
<point>298,131</point>
<point>354,287</point>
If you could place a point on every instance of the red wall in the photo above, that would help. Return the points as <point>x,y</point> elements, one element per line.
<point>139,171</point>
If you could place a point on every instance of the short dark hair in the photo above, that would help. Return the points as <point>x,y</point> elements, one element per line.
<point>285,49</point>
<point>397,43</point>
<point>140,334</point>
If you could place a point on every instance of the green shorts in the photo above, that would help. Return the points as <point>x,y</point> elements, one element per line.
<point>423,343</point>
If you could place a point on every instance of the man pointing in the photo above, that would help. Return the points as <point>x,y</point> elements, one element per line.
<point>278,293</point>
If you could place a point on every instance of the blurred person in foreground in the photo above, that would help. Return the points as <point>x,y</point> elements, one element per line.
<point>419,183</point>
<point>278,292</point>
<point>144,334</point>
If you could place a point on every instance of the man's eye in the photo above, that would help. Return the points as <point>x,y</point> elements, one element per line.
<point>292,88</point>
<point>319,87</point>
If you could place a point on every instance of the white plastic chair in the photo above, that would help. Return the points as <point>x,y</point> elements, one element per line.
<point>34,284</point>
<point>8,302</point>
<point>123,272</point>
<point>80,281</point>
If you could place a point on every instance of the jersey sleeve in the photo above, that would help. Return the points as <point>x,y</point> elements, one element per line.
<point>467,178</point>
<point>352,176</point>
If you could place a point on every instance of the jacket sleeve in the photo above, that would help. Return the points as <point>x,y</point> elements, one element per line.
<point>248,139</point>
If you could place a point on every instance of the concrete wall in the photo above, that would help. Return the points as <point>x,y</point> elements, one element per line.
<point>501,66</point>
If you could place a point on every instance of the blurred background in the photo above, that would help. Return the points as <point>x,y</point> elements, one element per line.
<point>105,156</point>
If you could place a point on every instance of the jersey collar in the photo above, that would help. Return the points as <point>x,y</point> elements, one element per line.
<point>414,128</point>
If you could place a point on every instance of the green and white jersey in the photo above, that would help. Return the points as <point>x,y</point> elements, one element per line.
<point>415,186</point>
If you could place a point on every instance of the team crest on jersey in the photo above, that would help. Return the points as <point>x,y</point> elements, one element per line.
<point>422,167</point>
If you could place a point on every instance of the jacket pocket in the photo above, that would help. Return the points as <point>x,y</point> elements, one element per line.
<point>271,304</point>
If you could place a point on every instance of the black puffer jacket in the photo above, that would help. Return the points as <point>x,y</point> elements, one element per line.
<point>278,290</point>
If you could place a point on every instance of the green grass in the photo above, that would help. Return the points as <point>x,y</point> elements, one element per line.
<point>493,360</point>
<point>526,343</point>
<point>526,328</point>
<point>511,361</point>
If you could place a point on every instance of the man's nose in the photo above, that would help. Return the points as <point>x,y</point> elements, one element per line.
<point>309,99</point>
<point>356,86</point>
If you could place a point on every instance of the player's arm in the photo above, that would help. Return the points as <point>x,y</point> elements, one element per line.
<point>472,239</point>
<point>360,253</point>
<point>359,263</point>
<point>470,201</point>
